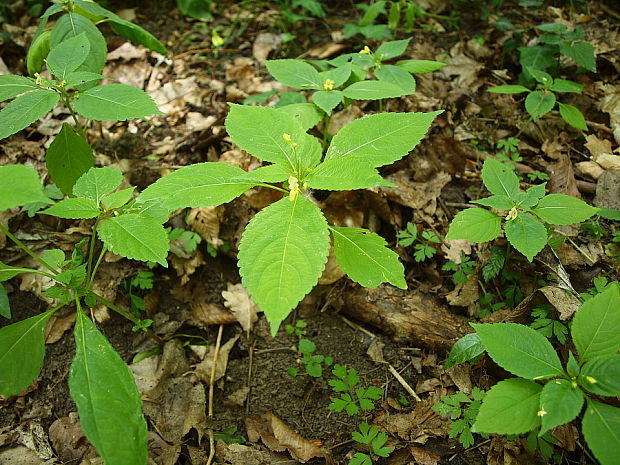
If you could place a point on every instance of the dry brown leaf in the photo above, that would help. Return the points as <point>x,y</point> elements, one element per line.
<point>610,103</point>
<point>277,436</point>
<point>589,169</point>
<point>326,50</point>
<point>174,95</point>
<point>58,324</point>
<point>203,369</point>
<point>210,314</point>
<point>238,397</point>
<point>465,294</point>
<point>185,267</point>
<point>464,68</point>
<point>206,222</point>
<point>237,299</point>
<point>264,44</point>
<point>597,146</point>
<point>423,457</point>
<point>375,351</point>
<point>461,377</point>
<point>416,195</point>
<point>340,119</point>
<point>332,271</point>
<point>238,454</point>
<point>20,456</point>
<point>69,440</point>
<point>128,51</point>
<point>455,249</point>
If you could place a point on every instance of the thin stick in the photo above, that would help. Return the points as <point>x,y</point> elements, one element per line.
<point>206,50</point>
<point>216,354</point>
<point>403,383</point>
<point>249,381</point>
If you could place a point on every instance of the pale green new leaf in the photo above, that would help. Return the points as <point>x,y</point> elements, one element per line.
<point>68,157</point>
<point>563,209</point>
<point>366,259</point>
<point>339,174</point>
<point>539,103</point>
<point>22,349</point>
<point>327,100</point>
<point>198,185</point>
<point>19,185</point>
<point>520,350</point>
<point>74,208</point>
<point>595,326</point>
<point>25,110</point>
<point>135,236</point>
<point>420,66</point>
<point>475,225</point>
<point>115,102</point>
<point>294,73</point>
<point>108,403</point>
<point>508,89</point>
<point>560,402</point>
<point>573,116</point>
<point>68,55</point>
<point>509,407</point>
<point>601,429</point>
<point>307,114</point>
<point>282,254</point>
<point>526,234</point>
<point>398,76</point>
<point>12,85</point>
<point>338,75</point>
<point>373,90</point>
<point>80,78</point>
<point>499,178</point>
<point>382,138</point>
<point>72,25</point>
<point>97,182</point>
<point>602,375</point>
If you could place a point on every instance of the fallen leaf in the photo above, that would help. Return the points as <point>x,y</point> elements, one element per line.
<point>608,191</point>
<point>238,454</point>
<point>203,369</point>
<point>237,299</point>
<point>69,440</point>
<point>58,324</point>
<point>206,222</point>
<point>264,44</point>
<point>208,313</point>
<point>423,457</point>
<point>375,351</point>
<point>20,456</point>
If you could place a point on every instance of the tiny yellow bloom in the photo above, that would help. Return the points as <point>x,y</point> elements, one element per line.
<point>328,84</point>
<point>541,413</point>
<point>293,184</point>
<point>512,214</point>
<point>591,380</point>
<point>365,50</point>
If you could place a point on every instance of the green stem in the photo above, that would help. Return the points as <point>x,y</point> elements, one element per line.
<point>264,184</point>
<point>66,100</point>
<point>97,263</point>
<point>91,250</point>
<point>25,248</point>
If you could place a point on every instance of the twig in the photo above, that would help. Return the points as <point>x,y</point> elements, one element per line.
<point>216,354</point>
<point>249,384</point>
<point>471,448</point>
<point>206,50</point>
<point>358,327</point>
<point>403,383</point>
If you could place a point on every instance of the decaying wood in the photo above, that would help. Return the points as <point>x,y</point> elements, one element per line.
<point>406,315</point>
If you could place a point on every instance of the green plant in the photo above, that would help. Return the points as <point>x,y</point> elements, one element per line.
<point>461,270</point>
<point>520,405</point>
<point>522,224</point>
<point>353,399</point>
<point>601,284</point>
<point>508,150</point>
<point>199,9</point>
<point>284,248</point>
<point>313,363</point>
<point>548,326</point>
<point>74,53</point>
<point>462,416</point>
<point>298,329</point>
<point>142,280</point>
<point>374,440</point>
<point>100,383</point>
<point>229,436</point>
<point>423,247</point>
<point>183,243</point>
<point>352,73</point>
<point>542,100</point>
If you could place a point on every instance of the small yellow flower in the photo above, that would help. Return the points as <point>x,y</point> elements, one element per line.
<point>328,84</point>
<point>293,184</point>
<point>512,214</point>
<point>366,50</point>
<point>591,380</point>
<point>541,413</point>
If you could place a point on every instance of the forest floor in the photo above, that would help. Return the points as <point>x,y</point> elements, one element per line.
<point>396,340</point>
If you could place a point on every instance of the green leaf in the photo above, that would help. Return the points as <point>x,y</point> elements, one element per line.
<point>74,208</point>
<point>68,157</point>
<point>71,25</point>
<point>499,178</point>
<point>38,51</point>
<point>392,49</point>
<point>539,57</point>
<point>509,407</point>
<point>602,375</point>
<point>420,66</point>
<point>97,182</point>
<point>508,89</point>
<point>5,306</point>
<point>595,326</point>
<point>294,73</point>
<point>371,13</point>
<point>499,202</point>
<point>115,102</point>
<point>306,114</point>
<point>117,199</point>
<point>540,76</point>
<point>25,110</point>
<point>526,234</point>
<point>555,28</point>
<point>198,185</point>
<point>563,85</point>
<point>466,348</point>
<point>68,55</point>
<point>136,236</point>
<point>19,185</point>
<point>601,429</point>
<point>268,173</point>
<point>22,349</point>
<point>563,209</point>
<point>12,85</point>
<point>327,100</point>
<point>373,90</point>
<point>340,174</point>
<point>398,76</point>
<point>338,75</point>
<point>282,254</point>
<point>104,391</point>
<point>7,272</point>
<point>382,138</point>
<point>80,78</point>
<point>582,53</point>
<point>366,259</point>
<point>520,349</point>
<point>573,116</point>
<point>560,402</point>
<point>475,225</point>
<point>539,103</point>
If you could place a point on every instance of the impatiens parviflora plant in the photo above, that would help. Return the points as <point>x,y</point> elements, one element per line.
<point>284,248</point>
<point>547,394</point>
<point>527,212</point>
<point>100,383</point>
<point>542,100</point>
<point>352,73</point>
<point>74,53</point>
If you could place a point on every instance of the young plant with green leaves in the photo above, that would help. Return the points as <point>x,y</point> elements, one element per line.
<point>542,99</point>
<point>74,53</point>
<point>463,411</point>
<point>313,363</point>
<point>284,248</point>
<point>527,213</point>
<point>462,270</point>
<point>353,399</point>
<point>423,247</point>
<point>373,440</point>
<point>99,381</point>
<point>548,393</point>
<point>352,73</point>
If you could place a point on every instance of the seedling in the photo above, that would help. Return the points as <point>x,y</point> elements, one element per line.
<point>229,436</point>
<point>522,224</point>
<point>313,363</point>
<point>508,150</point>
<point>463,411</point>
<point>423,248</point>
<point>548,326</point>
<point>462,270</point>
<point>542,100</point>
<point>374,440</point>
<point>353,399</point>
<point>299,329</point>
<point>143,280</point>
<point>183,243</point>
